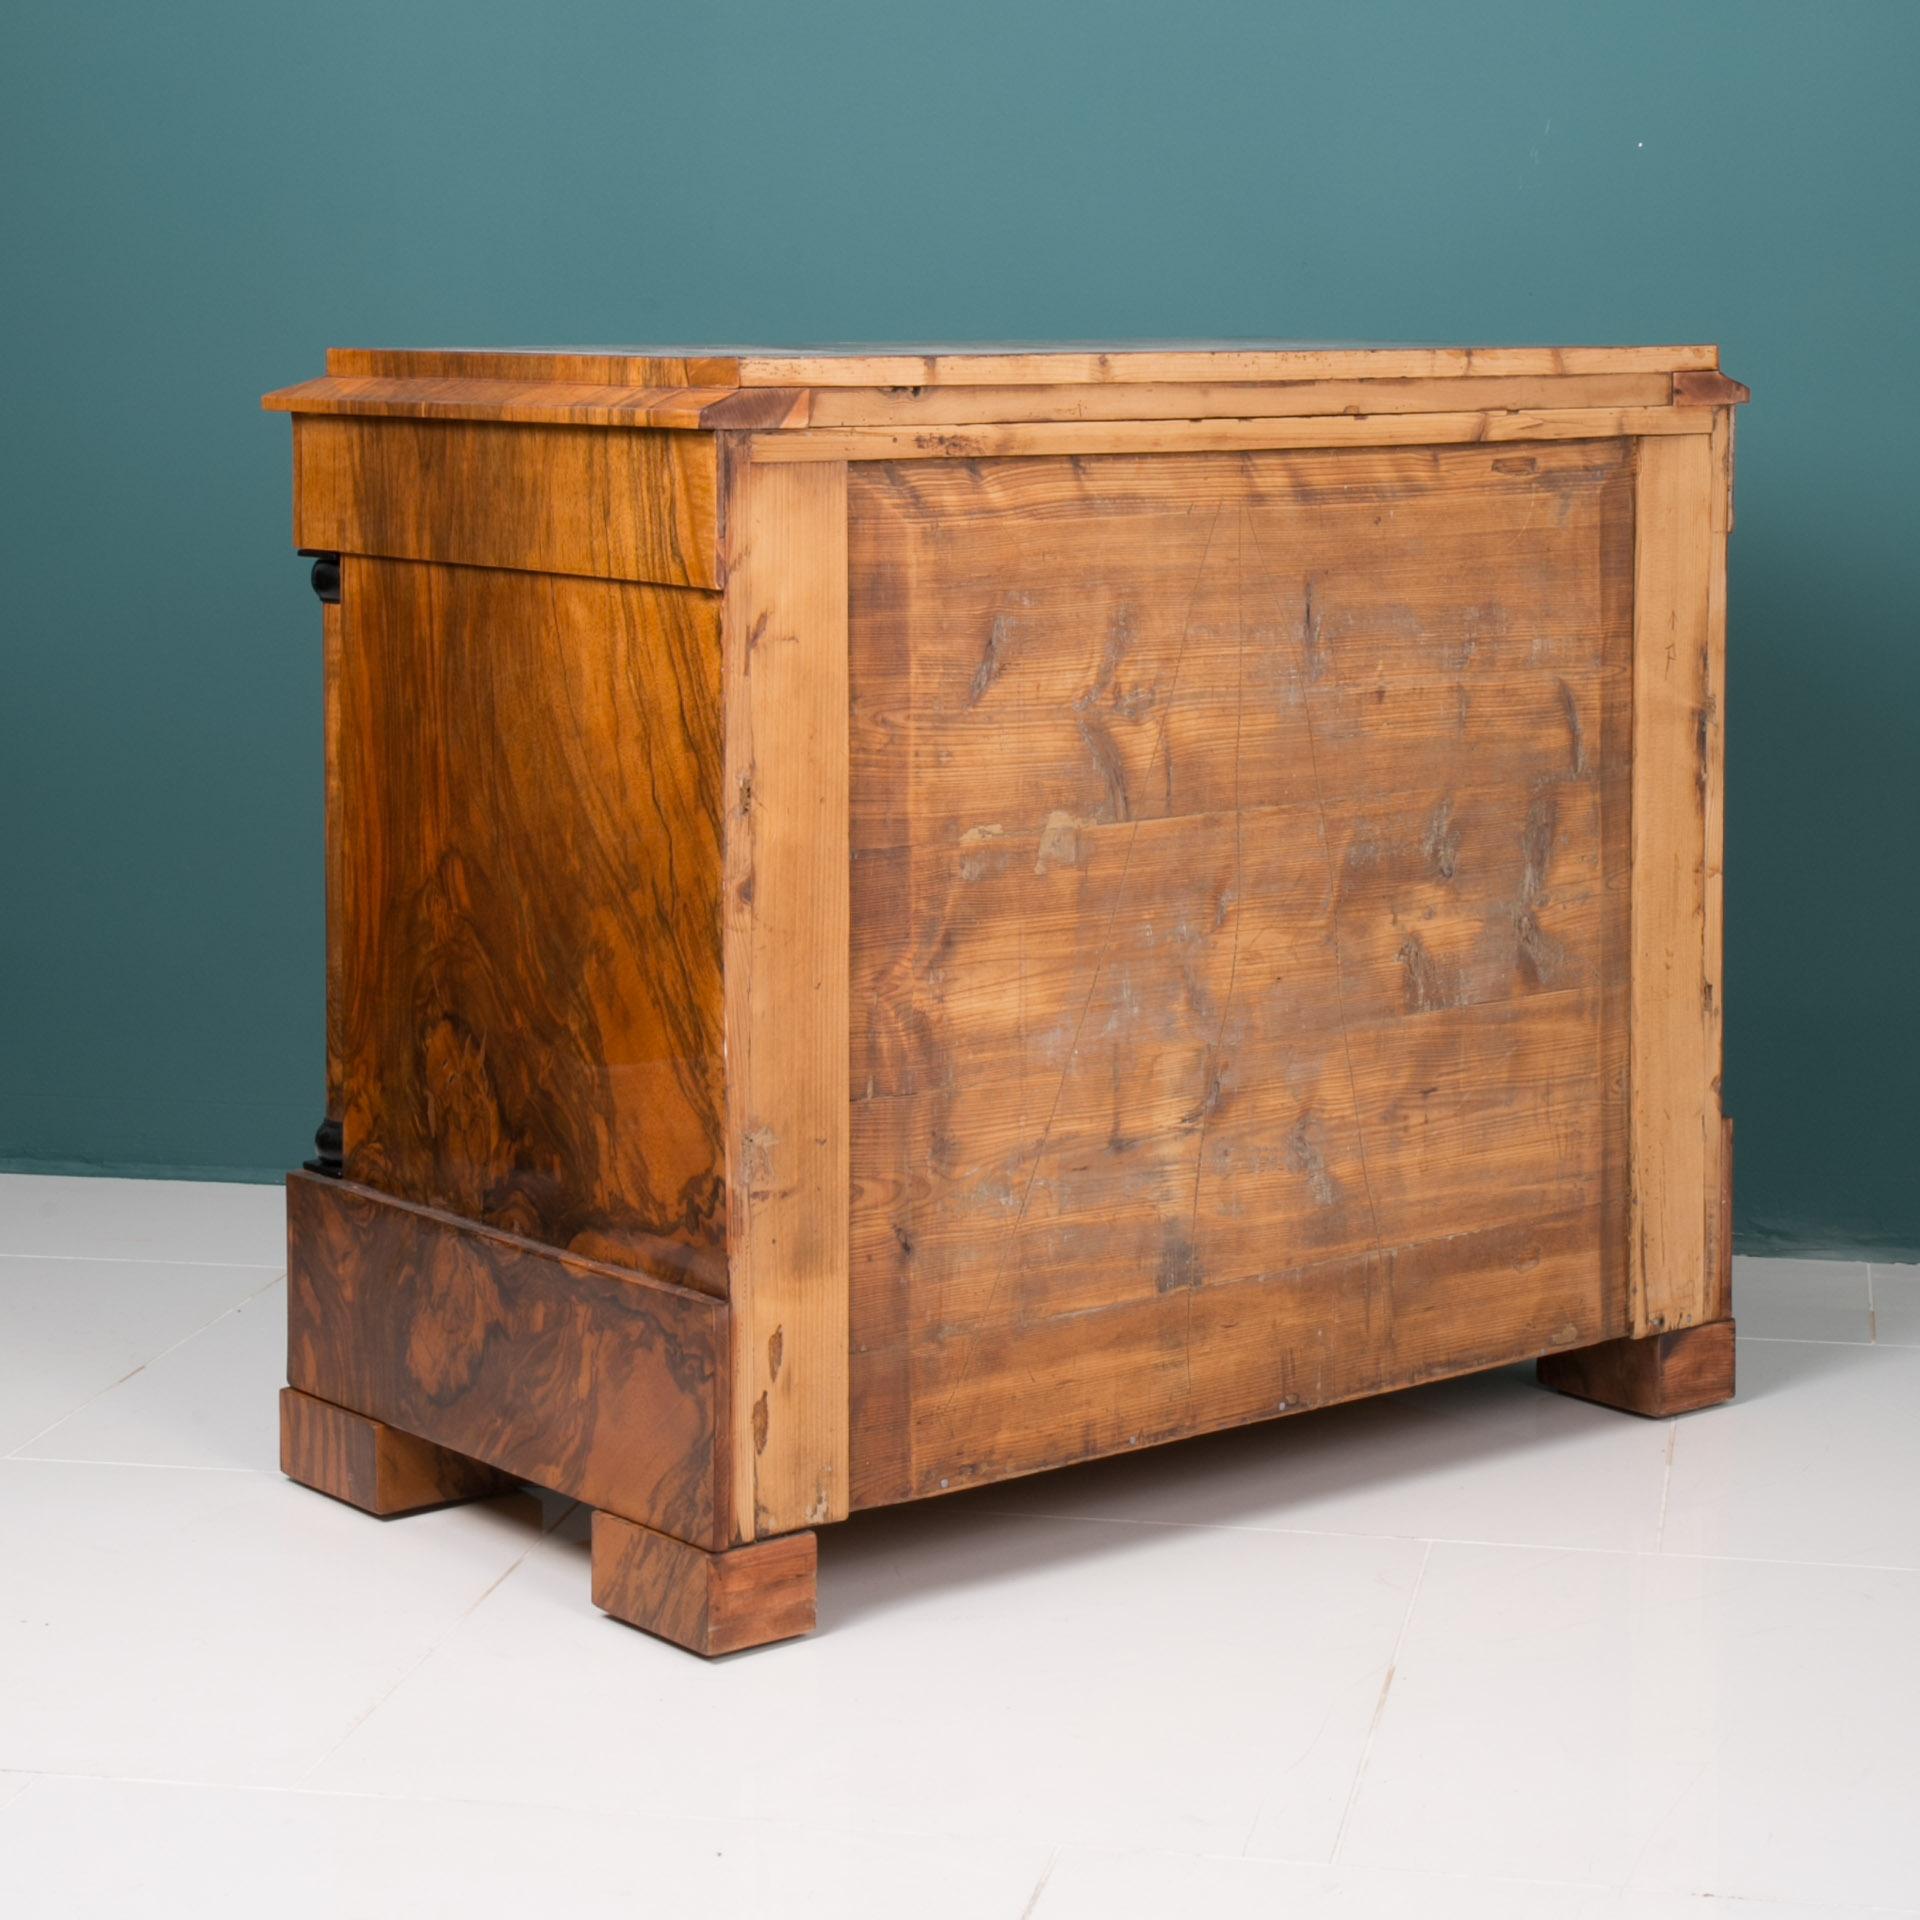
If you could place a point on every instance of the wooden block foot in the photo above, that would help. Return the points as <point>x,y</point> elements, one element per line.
<point>710,1602</point>
<point>373,1466</point>
<point>1662,1374</point>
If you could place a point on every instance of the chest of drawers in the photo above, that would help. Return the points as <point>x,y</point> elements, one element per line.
<point>899,918</point>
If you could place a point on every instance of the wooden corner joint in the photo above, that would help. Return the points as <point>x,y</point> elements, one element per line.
<point>1709,389</point>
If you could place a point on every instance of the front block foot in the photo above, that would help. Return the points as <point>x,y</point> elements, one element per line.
<point>373,1466</point>
<point>1659,1375</point>
<point>709,1602</point>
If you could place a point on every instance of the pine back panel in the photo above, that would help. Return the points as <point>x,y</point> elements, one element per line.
<point>1238,991</point>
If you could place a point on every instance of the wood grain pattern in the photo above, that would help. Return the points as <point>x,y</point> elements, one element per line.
<point>1204,400</point>
<point>1658,1375</point>
<point>712,1603</point>
<point>1674,1065</point>
<point>573,403</point>
<point>1712,749</point>
<point>531,1023</point>
<point>786,991</point>
<point>615,368</point>
<point>373,1466</point>
<point>543,499</point>
<point>565,1372</point>
<point>1111,363</point>
<point>1095,366</point>
<point>1239,908</point>
<point>965,1408</point>
<point>1033,439</point>
<point>568,391</point>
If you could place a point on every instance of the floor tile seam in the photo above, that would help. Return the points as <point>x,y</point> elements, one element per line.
<point>1380,1708</point>
<point>883,1832</point>
<point>18,1459</point>
<point>206,1326</point>
<point>278,1268</point>
<point>441,1639</point>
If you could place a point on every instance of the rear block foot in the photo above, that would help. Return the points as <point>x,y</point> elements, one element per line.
<point>1661,1374</point>
<point>373,1466</point>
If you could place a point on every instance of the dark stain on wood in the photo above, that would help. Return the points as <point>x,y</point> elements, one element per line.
<point>1702,388</point>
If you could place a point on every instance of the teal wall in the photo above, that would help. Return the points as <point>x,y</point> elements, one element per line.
<point>197,198</point>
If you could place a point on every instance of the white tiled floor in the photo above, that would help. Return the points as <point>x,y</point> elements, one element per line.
<point>1472,1650</point>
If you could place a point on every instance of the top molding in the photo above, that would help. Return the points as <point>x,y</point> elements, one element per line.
<point>990,366</point>
<point>772,390</point>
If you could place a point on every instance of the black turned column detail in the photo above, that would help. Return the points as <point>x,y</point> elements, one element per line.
<point>329,1156</point>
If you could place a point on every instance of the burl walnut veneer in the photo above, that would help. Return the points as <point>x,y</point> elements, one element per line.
<point>896,919</point>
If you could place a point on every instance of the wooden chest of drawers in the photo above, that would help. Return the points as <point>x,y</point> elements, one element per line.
<point>902,918</point>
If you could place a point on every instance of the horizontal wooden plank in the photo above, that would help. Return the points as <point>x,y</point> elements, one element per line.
<point>1074,437</point>
<point>1095,668</point>
<point>630,506</point>
<point>541,402</point>
<point>952,1412</point>
<point>1106,364</point>
<point>987,366</point>
<point>1214,400</point>
<point>617,367</point>
<point>581,403</point>
<point>587,1379</point>
<point>1269,1150</point>
<point>1409,903</point>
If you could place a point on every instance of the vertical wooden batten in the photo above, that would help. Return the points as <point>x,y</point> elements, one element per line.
<point>1713,773</point>
<point>786,939</point>
<point>1673,1049</point>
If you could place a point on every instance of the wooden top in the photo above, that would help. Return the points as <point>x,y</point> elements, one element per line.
<point>1013,365</point>
<point>762,388</point>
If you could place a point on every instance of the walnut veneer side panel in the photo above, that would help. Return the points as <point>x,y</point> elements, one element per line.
<point>640,505</point>
<point>526,906</point>
<point>597,1383</point>
<point>1240,937</point>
